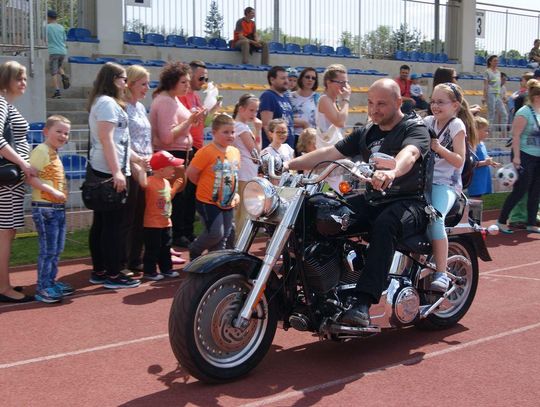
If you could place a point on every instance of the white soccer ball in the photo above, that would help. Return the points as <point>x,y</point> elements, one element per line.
<point>507,175</point>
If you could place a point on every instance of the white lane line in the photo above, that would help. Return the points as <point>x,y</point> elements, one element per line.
<point>357,376</point>
<point>516,277</point>
<point>517,266</point>
<point>82,351</point>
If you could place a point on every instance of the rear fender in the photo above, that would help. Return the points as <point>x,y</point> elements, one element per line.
<point>224,260</point>
<point>477,241</point>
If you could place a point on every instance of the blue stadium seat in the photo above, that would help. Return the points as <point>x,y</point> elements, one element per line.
<point>293,48</point>
<point>83,60</point>
<point>251,67</point>
<point>415,56</point>
<point>132,38</point>
<point>479,60</point>
<point>310,49</point>
<point>502,62</point>
<point>80,35</point>
<point>427,75</point>
<point>153,84</point>
<point>154,62</point>
<point>35,133</point>
<point>198,42</point>
<point>426,57</point>
<point>74,166</point>
<point>402,55</point>
<point>104,60</point>
<point>522,63</point>
<point>218,43</point>
<point>327,50</point>
<point>157,40</point>
<point>343,51</point>
<point>178,41</point>
<point>131,61</point>
<point>276,47</point>
<point>441,58</point>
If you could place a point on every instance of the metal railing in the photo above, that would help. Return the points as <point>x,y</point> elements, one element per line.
<point>22,25</point>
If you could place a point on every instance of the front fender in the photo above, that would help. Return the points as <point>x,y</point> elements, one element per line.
<point>223,260</point>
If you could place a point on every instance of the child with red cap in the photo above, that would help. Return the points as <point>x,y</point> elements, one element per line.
<point>157,215</point>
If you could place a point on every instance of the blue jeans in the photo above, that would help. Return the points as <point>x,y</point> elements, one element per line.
<point>51,228</point>
<point>219,229</point>
<point>497,114</point>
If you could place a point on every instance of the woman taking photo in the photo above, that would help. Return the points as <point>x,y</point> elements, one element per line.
<point>109,157</point>
<point>171,123</point>
<point>12,86</point>
<point>526,159</point>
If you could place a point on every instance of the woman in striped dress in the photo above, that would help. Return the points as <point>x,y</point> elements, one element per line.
<point>12,85</point>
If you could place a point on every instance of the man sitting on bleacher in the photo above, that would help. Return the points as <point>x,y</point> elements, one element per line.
<point>246,38</point>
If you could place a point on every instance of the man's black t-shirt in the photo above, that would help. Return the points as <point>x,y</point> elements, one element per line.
<point>410,131</point>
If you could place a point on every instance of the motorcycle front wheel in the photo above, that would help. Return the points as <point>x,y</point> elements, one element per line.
<point>463,263</point>
<point>201,330</point>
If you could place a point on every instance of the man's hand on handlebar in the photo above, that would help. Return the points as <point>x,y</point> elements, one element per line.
<point>381,180</point>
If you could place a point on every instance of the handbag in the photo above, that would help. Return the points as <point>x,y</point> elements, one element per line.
<point>10,173</point>
<point>99,193</point>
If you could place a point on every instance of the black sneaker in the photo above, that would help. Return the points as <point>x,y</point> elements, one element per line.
<point>65,82</point>
<point>57,94</point>
<point>121,281</point>
<point>98,277</point>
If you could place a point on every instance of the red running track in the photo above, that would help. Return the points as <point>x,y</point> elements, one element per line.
<point>110,348</point>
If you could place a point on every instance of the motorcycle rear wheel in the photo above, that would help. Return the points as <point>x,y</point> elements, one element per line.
<point>201,333</point>
<point>458,303</point>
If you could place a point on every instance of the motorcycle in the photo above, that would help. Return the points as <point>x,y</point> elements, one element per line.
<point>226,312</point>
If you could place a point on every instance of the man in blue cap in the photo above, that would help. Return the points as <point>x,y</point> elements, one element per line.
<point>56,41</point>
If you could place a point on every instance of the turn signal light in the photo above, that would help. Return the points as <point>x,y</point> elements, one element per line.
<point>344,187</point>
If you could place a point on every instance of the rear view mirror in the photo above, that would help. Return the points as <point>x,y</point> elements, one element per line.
<point>382,161</point>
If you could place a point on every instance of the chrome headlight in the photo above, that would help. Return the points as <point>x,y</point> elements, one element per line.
<point>260,197</point>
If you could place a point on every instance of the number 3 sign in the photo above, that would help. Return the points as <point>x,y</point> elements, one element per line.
<point>480,23</point>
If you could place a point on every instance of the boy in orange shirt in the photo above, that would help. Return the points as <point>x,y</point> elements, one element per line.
<point>214,170</point>
<point>157,224</point>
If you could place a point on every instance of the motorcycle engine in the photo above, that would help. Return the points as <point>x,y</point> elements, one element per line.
<point>404,301</point>
<point>322,266</point>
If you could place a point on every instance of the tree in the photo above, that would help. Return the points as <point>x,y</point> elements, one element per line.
<point>377,42</point>
<point>214,22</point>
<point>63,10</point>
<point>512,54</point>
<point>405,39</point>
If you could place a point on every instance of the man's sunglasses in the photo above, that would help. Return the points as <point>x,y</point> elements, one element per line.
<point>203,78</point>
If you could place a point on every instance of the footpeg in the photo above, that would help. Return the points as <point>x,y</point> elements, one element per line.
<point>298,321</point>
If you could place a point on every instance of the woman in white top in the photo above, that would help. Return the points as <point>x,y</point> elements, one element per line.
<point>304,101</point>
<point>246,140</point>
<point>109,157</point>
<point>333,110</point>
<point>492,92</point>
<point>278,133</point>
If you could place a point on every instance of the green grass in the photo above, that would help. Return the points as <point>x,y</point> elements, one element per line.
<point>25,249</point>
<point>494,201</point>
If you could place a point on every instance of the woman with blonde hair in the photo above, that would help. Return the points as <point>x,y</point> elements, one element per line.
<point>15,149</point>
<point>140,133</point>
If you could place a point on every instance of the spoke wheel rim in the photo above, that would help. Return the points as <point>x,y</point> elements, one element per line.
<point>460,266</point>
<point>217,340</point>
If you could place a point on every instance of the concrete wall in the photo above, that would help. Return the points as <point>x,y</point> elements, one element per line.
<point>32,103</point>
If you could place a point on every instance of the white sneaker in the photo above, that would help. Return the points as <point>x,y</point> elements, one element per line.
<point>440,282</point>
